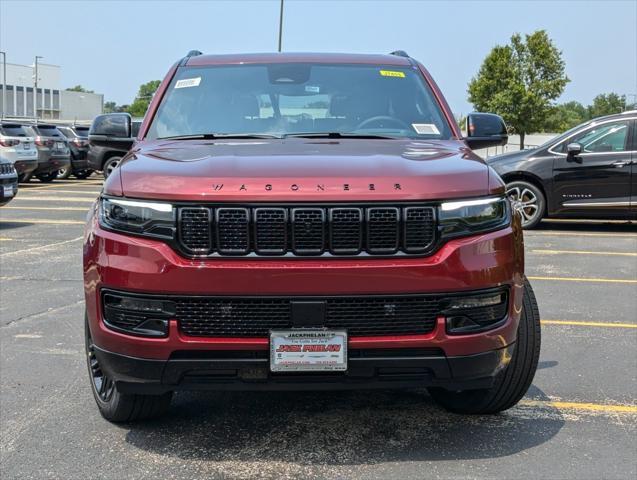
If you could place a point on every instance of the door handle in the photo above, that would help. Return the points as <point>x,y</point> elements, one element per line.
<point>620,163</point>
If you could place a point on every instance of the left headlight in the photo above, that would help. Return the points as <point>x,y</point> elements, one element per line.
<point>154,219</point>
<point>466,217</point>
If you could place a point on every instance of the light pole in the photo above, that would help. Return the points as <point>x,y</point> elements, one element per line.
<point>35,89</point>
<point>280,25</point>
<point>4,83</point>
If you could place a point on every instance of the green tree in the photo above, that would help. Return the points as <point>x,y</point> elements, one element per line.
<point>607,104</point>
<point>520,81</point>
<point>110,107</point>
<point>564,116</point>
<point>142,100</point>
<point>79,88</point>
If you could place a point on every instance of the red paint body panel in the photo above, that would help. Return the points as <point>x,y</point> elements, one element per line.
<point>143,265</point>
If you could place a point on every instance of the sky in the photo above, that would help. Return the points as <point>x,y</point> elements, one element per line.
<point>113,46</point>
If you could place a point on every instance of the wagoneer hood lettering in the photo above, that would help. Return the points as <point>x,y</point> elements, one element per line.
<point>302,169</point>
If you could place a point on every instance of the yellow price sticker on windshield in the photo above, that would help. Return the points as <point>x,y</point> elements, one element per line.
<point>392,73</point>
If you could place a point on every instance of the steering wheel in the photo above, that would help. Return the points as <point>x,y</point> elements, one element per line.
<point>382,118</point>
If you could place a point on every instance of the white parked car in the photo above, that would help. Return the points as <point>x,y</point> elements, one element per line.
<point>19,148</point>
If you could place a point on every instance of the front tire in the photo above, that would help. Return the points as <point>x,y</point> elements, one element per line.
<point>64,173</point>
<point>528,200</point>
<point>110,165</point>
<point>82,174</point>
<point>115,406</point>
<point>513,382</point>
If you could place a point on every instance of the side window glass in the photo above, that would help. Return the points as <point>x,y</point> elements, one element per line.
<point>609,137</point>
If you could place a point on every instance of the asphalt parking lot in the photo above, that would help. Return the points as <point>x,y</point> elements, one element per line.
<point>579,419</point>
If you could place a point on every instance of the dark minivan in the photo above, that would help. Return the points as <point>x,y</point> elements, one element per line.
<point>587,172</point>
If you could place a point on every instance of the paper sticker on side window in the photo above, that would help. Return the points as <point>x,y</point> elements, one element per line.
<point>188,82</point>
<point>425,129</point>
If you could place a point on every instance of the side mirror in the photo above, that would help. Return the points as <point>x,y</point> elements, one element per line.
<point>111,130</point>
<point>573,149</point>
<point>485,130</point>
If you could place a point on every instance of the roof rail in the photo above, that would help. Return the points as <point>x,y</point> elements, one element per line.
<point>400,53</point>
<point>629,112</point>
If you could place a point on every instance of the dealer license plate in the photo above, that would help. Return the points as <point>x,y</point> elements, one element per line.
<point>59,145</point>
<point>308,350</point>
<point>7,190</point>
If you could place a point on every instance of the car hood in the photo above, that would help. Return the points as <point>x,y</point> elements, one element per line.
<point>301,169</point>
<point>513,156</point>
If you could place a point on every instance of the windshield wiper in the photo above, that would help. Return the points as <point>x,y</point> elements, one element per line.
<point>338,135</point>
<point>213,136</point>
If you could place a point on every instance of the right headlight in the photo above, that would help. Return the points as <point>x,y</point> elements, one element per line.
<point>466,217</point>
<point>152,219</point>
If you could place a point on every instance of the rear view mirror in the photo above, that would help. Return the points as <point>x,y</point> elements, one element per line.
<point>485,130</point>
<point>111,130</point>
<point>573,149</point>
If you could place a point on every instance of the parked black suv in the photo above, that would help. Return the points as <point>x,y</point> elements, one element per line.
<point>106,153</point>
<point>589,171</point>
<point>77,136</point>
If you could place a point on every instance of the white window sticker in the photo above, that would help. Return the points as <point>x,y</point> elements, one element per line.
<point>425,129</point>
<point>188,82</point>
<point>312,89</point>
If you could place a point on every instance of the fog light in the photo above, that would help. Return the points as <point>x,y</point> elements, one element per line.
<point>139,316</point>
<point>474,313</point>
<point>461,303</point>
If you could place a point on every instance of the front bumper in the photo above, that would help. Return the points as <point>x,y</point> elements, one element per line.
<point>141,265</point>
<point>12,183</point>
<point>244,370</point>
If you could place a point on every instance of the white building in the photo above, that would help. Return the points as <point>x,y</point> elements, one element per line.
<point>51,100</point>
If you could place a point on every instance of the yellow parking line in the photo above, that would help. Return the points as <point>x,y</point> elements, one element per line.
<point>77,209</point>
<point>582,252</point>
<point>588,324</point>
<point>58,185</point>
<point>577,234</point>
<point>44,222</point>
<point>590,407</point>
<point>56,199</point>
<point>573,279</point>
<point>4,239</point>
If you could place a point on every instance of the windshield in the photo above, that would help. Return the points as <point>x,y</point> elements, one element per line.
<point>296,98</point>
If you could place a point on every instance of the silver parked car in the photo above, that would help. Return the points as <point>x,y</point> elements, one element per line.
<point>18,147</point>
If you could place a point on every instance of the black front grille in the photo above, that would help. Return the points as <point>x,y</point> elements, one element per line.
<point>306,230</point>
<point>359,315</point>
<point>255,317</point>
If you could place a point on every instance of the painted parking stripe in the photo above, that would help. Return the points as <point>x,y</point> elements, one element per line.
<point>586,280</point>
<point>578,234</point>
<point>581,252</point>
<point>581,323</point>
<point>75,209</point>
<point>43,222</point>
<point>55,199</point>
<point>85,192</point>
<point>581,406</point>
<point>40,247</point>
